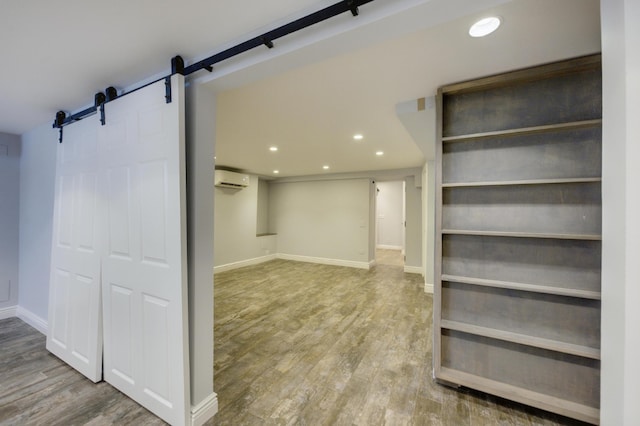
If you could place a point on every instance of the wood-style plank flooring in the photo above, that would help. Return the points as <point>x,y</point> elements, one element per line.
<point>36,388</point>
<point>295,343</point>
<point>306,344</point>
<point>389,257</point>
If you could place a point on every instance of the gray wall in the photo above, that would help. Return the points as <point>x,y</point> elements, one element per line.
<point>389,209</point>
<point>413,232</point>
<point>37,183</point>
<point>326,219</point>
<point>236,218</point>
<point>9,218</point>
<point>620,344</point>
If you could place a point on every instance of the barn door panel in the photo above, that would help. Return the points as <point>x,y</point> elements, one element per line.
<point>75,315</point>
<point>144,267</point>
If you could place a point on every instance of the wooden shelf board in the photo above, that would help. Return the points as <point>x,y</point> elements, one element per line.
<point>524,75</point>
<point>522,182</point>
<point>522,339</point>
<point>534,288</point>
<point>589,237</point>
<point>525,130</point>
<point>546,402</point>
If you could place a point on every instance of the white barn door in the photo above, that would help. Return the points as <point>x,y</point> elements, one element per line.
<point>75,316</point>
<point>144,267</point>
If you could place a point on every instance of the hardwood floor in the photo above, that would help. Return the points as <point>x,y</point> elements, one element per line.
<point>36,388</point>
<point>295,343</point>
<point>389,257</point>
<point>308,344</point>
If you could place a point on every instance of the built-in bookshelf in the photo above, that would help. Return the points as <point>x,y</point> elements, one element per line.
<point>518,236</point>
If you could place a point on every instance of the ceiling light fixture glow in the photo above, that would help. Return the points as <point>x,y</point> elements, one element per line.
<point>325,167</point>
<point>275,172</point>
<point>358,137</point>
<point>273,148</point>
<point>484,27</point>
<point>379,153</point>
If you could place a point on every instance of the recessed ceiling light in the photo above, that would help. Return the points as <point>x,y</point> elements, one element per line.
<point>358,137</point>
<point>325,167</point>
<point>275,172</point>
<point>273,148</point>
<point>379,153</point>
<point>484,27</point>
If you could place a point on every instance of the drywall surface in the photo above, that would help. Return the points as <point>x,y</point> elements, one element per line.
<point>37,185</point>
<point>389,213</point>
<point>324,219</point>
<point>9,218</point>
<point>620,346</point>
<point>262,210</point>
<point>236,221</point>
<point>413,216</point>
<point>200,137</point>
<point>428,214</point>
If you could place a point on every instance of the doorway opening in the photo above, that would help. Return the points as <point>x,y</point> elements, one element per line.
<point>390,223</point>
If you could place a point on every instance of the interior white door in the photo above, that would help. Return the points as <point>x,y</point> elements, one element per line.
<point>144,269</point>
<point>75,310</point>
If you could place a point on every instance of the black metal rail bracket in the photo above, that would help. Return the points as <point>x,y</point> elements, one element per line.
<point>269,37</point>
<point>99,100</point>
<point>167,89</point>
<point>178,67</point>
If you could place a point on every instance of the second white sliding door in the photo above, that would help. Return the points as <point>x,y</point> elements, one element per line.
<point>144,266</point>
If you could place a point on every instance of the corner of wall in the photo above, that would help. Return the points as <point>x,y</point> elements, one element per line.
<point>33,320</point>
<point>37,187</point>
<point>205,410</point>
<point>8,312</point>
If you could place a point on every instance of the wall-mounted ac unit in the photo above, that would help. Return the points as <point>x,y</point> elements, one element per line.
<point>227,179</point>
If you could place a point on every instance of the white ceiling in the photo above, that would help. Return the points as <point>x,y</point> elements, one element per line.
<point>312,111</point>
<point>308,101</point>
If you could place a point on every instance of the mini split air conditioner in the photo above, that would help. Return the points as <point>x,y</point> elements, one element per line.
<point>227,179</point>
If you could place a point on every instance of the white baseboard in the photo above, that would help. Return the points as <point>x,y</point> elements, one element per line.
<point>325,261</point>
<point>387,247</point>
<point>243,263</point>
<point>413,269</point>
<point>296,258</point>
<point>428,288</point>
<point>33,320</point>
<point>204,410</point>
<point>8,312</point>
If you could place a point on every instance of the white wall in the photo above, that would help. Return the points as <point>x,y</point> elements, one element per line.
<point>428,231</point>
<point>37,180</point>
<point>413,213</point>
<point>389,206</point>
<point>236,226</point>
<point>620,344</point>
<point>9,218</point>
<point>373,202</point>
<point>200,137</point>
<point>323,219</point>
<point>262,225</point>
